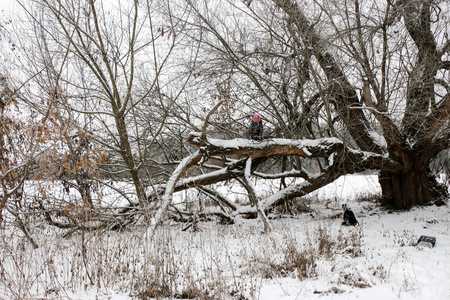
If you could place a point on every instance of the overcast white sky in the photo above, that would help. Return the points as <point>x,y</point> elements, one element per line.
<point>6,5</point>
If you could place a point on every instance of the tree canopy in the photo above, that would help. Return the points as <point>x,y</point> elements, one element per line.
<point>134,87</point>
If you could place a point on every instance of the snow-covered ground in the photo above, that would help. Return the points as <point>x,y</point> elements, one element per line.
<point>391,266</point>
<point>309,256</point>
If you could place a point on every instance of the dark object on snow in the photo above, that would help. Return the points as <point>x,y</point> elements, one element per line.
<point>256,128</point>
<point>427,239</point>
<point>349,217</point>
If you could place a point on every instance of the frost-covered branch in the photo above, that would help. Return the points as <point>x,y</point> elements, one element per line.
<point>292,173</point>
<point>170,188</point>
<point>341,160</point>
<point>218,197</point>
<point>252,195</point>
<point>274,147</point>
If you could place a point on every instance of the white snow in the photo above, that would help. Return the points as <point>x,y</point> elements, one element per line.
<point>378,138</point>
<point>376,260</point>
<point>168,196</point>
<point>239,143</point>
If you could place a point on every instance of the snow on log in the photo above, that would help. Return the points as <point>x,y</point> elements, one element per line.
<point>185,164</point>
<point>273,147</point>
<point>341,160</point>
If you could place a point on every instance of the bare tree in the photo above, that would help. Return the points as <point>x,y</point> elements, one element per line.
<point>108,67</point>
<point>21,144</point>
<point>424,129</point>
<point>374,76</point>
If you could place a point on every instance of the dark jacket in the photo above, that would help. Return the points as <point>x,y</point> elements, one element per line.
<point>256,130</point>
<point>349,218</point>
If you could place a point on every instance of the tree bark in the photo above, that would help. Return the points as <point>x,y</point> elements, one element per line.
<point>405,189</point>
<point>411,185</point>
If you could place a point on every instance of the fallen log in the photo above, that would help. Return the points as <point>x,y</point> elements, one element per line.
<point>339,160</point>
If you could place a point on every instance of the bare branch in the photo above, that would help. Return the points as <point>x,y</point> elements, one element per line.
<point>437,118</point>
<point>170,188</point>
<point>343,92</point>
<point>205,123</point>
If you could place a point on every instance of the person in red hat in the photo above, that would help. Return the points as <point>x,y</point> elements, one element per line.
<point>256,128</point>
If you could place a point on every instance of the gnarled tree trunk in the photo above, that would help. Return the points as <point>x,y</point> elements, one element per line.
<point>408,186</point>
<point>420,137</point>
<point>404,189</point>
<point>411,185</point>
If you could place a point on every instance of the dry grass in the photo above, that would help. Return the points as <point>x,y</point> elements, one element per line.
<point>217,262</point>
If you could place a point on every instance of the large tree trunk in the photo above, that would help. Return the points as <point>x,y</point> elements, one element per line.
<point>411,185</point>
<point>405,189</point>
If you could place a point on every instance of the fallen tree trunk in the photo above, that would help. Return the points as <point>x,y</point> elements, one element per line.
<point>339,160</point>
<point>274,147</point>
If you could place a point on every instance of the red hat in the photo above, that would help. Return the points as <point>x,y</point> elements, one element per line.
<point>256,116</point>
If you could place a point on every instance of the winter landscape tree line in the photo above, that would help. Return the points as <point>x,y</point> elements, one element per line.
<point>159,94</point>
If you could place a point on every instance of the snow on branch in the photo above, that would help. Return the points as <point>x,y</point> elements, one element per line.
<point>217,196</point>
<point>341,160</point>
<point>185,164</point>
<point>292,173</point>
<point>274,147</point>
